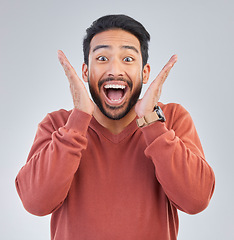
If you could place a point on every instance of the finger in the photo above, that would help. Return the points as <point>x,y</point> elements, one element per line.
<point>63,60</point>
<point>69,70</point>
<point>160,79</point>
<point>171,62</point>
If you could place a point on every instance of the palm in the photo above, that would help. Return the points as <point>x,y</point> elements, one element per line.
<point>151,97</point>
<point>79,93</point>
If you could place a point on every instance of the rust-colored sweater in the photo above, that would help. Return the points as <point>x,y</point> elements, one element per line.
<point>127,186</point>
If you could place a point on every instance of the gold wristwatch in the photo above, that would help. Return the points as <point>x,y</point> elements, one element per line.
<point>156,115</point>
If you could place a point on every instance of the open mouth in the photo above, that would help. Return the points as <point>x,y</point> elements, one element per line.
<point>115,92</point>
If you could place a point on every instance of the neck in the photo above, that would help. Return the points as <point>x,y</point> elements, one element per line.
<point>114,126</point>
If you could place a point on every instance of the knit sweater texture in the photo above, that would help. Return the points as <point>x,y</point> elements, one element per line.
<point>102,186</point>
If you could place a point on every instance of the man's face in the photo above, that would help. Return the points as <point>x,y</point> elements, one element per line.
<point>115,73</point>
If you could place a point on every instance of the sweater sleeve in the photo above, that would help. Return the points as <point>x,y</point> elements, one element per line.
<point>180,165</point>
<point>44,181</point>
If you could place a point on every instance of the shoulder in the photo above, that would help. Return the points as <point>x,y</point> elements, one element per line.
<point>174,112</point>
<point>172,108</point>
<point>63,118</point>
<point>62,113</point>
<point>56,118</point>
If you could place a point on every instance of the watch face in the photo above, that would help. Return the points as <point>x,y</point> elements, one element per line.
<point>160,114</point>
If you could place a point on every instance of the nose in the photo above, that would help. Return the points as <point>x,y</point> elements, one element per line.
<point>115,68</point>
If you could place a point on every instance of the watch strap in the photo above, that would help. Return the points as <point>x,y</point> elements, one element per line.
<point>146,120</point>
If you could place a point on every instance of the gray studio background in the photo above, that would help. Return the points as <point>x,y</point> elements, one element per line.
<point>32,83</point>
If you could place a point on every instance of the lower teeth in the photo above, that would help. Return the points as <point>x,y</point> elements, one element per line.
<point>115,100</point>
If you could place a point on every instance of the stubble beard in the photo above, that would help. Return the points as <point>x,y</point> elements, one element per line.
<point>115,112</point>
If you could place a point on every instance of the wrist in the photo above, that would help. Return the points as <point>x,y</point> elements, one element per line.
<point>87,107</point>
<point>85,110</point>
<point>156,115</point>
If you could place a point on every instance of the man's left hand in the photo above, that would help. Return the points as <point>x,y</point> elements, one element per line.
<point>151,97</point>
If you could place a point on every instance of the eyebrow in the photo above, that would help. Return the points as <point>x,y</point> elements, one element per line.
<point>100,46</point>
<point>108,46</point>
<point>130,47</point>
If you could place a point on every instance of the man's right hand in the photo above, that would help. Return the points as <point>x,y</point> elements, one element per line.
<point>79,93</point>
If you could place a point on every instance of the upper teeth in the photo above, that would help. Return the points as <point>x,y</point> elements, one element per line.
<point>114,86</point>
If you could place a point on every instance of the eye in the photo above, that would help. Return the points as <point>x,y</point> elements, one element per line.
<point>128,59</point>
<point>102,58</point>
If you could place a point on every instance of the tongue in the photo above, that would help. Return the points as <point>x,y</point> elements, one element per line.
<point>114,94</point>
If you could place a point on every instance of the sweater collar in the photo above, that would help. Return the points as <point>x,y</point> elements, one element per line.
<point>115,138</point>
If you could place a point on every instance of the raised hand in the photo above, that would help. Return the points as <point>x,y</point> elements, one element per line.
<point>151,97</point>
<point>79,93</point>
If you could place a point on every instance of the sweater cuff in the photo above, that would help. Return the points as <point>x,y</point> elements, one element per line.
<point>153,131</point>
<point>78,121</point>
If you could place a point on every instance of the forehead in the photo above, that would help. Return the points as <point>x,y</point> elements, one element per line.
<point>115,38</point>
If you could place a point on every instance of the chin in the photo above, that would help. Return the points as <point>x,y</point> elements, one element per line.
<point>114,113</point>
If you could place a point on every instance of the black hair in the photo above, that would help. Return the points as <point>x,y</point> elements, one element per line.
<point>118,21</point>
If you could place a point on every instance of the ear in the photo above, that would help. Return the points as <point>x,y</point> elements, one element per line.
<point>85,72</point>
<point>146,73</point>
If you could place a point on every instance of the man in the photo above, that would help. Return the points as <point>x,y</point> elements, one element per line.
<point>116,167</point>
